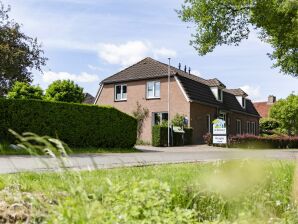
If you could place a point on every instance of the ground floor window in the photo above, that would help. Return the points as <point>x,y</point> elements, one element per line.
<point>159,117</point>
<point>251,127</point>
<point>238,127</point>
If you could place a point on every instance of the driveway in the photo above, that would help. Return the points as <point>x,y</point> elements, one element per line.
<point>148,156</point>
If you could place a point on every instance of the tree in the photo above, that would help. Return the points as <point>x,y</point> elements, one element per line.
<point>19,53</point>
<point>285,111</point>
<point>220,22</point>
<point>268,125</point>
<point>140,114</point>
<point>65,91</point>
<point>22,90</point>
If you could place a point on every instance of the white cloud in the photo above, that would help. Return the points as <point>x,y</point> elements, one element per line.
<point>84,77</point>
<point>253,92</point>
<point>197,73</point>
<point>131,52</point>
<point>164,52</point>
<point>123,54</point>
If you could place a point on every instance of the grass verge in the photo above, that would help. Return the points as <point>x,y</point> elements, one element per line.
<point>221,192</point>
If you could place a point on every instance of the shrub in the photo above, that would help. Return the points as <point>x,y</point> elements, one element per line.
<point>160,136</point>
<point>257,142</point>
<point>76,124</point>
<point>65,91</point>
<point>268,125</point>
<point>23,90</point>
<point>208,138</point>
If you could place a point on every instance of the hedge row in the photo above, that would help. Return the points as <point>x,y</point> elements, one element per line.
<point>77,125</point>
<point>160,136</point>
<point>257,142</point>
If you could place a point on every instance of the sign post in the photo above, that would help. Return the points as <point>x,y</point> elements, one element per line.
<point>219,131</point>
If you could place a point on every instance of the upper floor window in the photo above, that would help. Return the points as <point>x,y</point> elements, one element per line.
<point>220,95</point>
<point>153,89</point>
<point>120,92</point>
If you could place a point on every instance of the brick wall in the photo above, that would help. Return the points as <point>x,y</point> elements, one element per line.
<point>136,92</point>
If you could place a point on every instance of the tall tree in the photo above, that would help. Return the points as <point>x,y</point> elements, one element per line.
<point>65,91</point>
<point>285,111</point>
<point>23,90</point>
<point>220,22</point>
<point>19,53</point>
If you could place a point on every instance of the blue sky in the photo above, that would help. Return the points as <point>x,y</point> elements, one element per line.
<point>88,40</point>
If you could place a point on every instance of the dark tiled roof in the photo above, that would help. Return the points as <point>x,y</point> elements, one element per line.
<point>196,88</point>
<point>199,92</point>
<point>236,92</point>
<point>149,68</point>
<point>89,99</point>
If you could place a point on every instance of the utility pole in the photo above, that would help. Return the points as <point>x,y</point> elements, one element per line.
<point>169,80</point>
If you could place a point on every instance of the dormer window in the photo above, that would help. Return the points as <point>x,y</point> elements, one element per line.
<point>243,102</point>
<point>217,92</point>
<point>220,95</point>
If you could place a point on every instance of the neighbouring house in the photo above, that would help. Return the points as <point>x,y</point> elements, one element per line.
<point>89,99</point>
<point>199,100</point>
<point>263,108</point>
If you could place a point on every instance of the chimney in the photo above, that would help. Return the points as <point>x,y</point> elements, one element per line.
<point>185,68</point>
<point>179,66</point>
<point>189,70</point>
<point>271,99</point>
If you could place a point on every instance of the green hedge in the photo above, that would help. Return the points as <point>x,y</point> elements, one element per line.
<point>160,136</point>
<point>77,125</point>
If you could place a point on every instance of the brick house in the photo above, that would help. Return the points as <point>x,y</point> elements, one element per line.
<point>198,99</point>
<point>263,108</point>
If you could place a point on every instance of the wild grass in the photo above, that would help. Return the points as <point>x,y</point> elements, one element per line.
<point>244,191</point>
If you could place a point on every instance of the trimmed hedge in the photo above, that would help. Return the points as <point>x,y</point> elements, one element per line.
<point>160,136</point>
<point>257,142</point>
<point>78,125</point>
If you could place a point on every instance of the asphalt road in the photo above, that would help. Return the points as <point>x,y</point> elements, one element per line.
<point>149,156</point>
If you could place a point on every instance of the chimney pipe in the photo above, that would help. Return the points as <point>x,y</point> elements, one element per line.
<point>271,99</point>
<point>179,66</point>
<point>185,68</point>
<point>189,70</point>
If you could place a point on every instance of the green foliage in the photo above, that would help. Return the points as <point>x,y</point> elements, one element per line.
<point>160,136</point>
<point>285,111</point>
<point>64,91</point>
<point>23,90</point>
<point>268,125</point>
<point>75,124</point>
<point>19,53</point>
<point>140,114</point>
<point>220,22</point>
<point>178,120</point>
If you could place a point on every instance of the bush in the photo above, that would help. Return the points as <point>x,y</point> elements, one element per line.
<point>76,124</point>
<point>268,125</point>
<point>160,136</point>
<point>23,90</point>
<point>257,142</point>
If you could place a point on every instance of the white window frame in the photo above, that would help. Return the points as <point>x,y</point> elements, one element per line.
<point>160,117</point>
<point>154,92</point>
<point>248,127</point>
<point>121,92</point>
<point>253,128</point>
<point>240,127</point>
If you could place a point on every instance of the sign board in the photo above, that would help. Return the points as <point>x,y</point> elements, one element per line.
<point>219,127</point>
<point>220,139</point>
<point>219,131</point>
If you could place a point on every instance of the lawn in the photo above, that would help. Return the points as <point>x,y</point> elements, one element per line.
<point>221,192</point>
